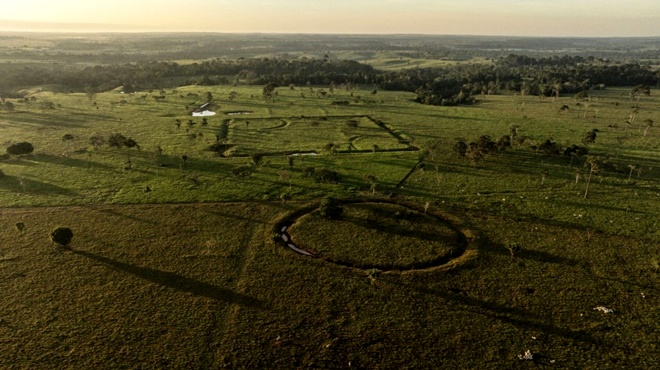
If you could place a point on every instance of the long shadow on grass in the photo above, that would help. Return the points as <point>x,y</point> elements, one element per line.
<point>64,161</point>
<point>176,282</point>
<point>490,246</point>
<point>34,187</point>
<point>408,233</point>
<point>511,315</point>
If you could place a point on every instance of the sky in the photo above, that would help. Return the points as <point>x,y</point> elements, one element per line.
<point>571,18</point>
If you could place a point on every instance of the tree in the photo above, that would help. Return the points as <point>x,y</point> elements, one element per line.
<point>184,159</point>
<point>232,95</point>
<point>513,249</point>
<point>209,97</point>
<point>632,168</point>
<point>371,179</point>
<point>256,159</point>
<point>592,162</point>
<point>269,91</point>
<point>330,208</point>
<point>503,143</point>
<point>118,141</point>
<point>61,236</point>
<point>590,137</point>
<point>649,124</point>
<point>90,92</point>
<point>637,93</point>
<point>9,106</point>
<point>22,148</point>
<point>574,151</point>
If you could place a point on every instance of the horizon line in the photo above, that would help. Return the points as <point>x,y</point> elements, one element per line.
<point>128,32</point>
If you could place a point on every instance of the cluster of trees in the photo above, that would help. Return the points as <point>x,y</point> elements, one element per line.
<point>484,145</point>
<point>459,84</point>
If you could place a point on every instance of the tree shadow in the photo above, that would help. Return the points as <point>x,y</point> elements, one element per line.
<point>30,186</point>
<point>67,161</point>
<point>490,246</point>
<point>512,315</point>
<point>177,282</point>
<point>390,227</point>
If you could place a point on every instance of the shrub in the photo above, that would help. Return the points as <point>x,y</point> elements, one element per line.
<point>549,147</point>
<point>503,143</point>
<point>21,148</point>
<point>576,150</point>
<point>590,137</point>
<point>485,144</point>
<point>461,148</point>
<point>330,208</point>
<point>117,140</point>
<point>256,159</point>
<point>61,236</point>
<point>326,176</point>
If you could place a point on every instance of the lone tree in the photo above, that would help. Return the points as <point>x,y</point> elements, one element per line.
<point>372,180</point>
<point>61,236</point>
<point>330,208</point>
<point>590,137</point>
<point>21,148</point>
<point>269,91</point>
<point>592,163</point>
<point>649,124</point>
<point>637,93</point>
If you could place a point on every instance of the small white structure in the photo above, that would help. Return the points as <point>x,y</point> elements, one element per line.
<point>206,113</point>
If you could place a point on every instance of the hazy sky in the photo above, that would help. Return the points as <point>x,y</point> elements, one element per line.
<point>473,17</point>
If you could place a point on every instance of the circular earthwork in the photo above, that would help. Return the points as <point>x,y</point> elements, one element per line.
<point>376,234</point>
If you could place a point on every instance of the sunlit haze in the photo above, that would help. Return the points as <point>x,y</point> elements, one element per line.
<point>598,18</point>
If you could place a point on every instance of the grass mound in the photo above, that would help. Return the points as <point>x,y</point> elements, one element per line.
<point>379,235</point>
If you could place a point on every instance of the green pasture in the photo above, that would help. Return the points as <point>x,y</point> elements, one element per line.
<point>205,286</point>
<point>250,136</point>
<point>174,262</point>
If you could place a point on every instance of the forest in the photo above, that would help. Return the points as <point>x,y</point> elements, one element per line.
<point>448,85</point>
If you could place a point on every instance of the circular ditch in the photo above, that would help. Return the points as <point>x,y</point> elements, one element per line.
<point>375,234</point>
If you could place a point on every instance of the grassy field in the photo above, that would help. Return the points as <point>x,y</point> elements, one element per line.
<point>173,262</point>
<point>402,238</point>
<point>201,286</point>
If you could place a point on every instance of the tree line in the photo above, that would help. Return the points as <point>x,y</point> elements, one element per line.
<point>450,85</point>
